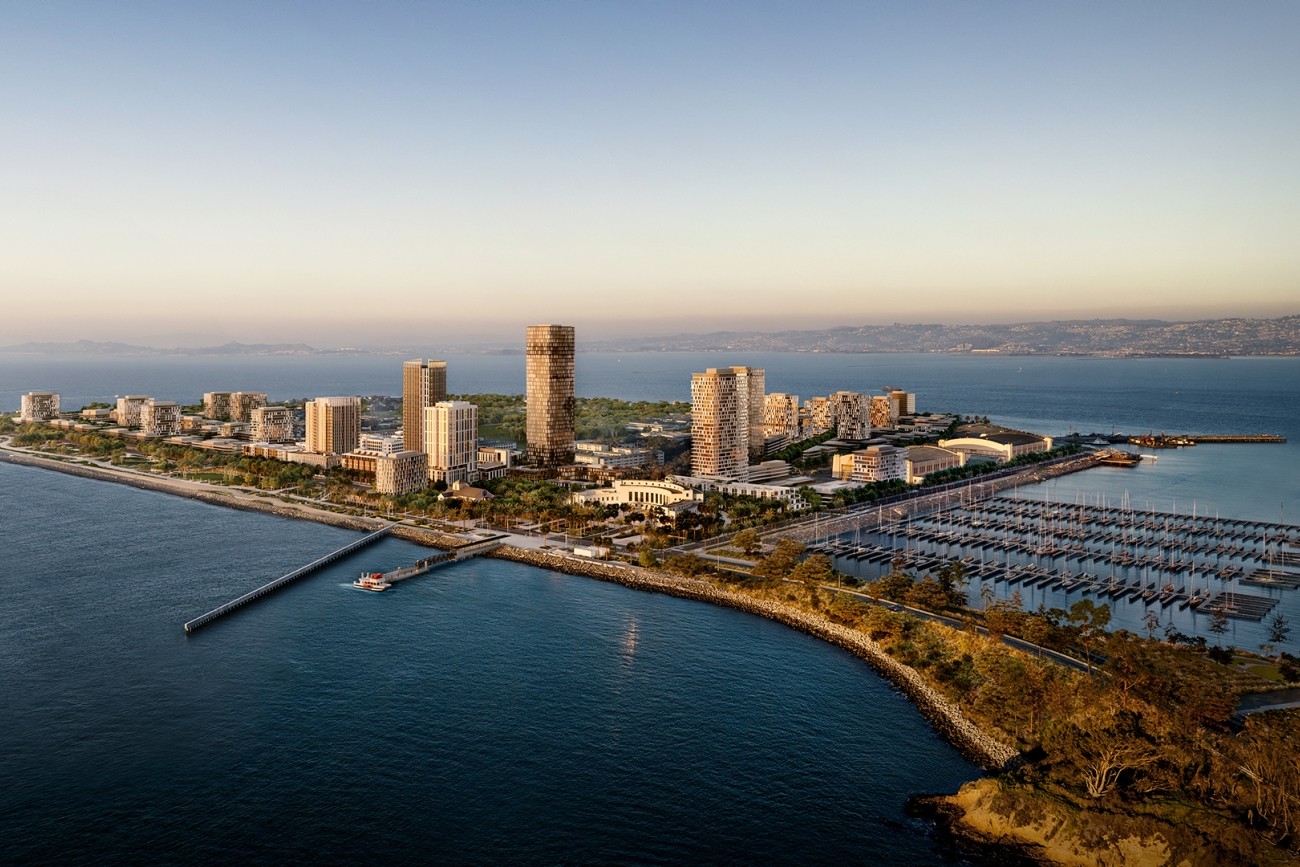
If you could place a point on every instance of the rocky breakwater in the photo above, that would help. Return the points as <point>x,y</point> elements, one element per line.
<point>977,745</point>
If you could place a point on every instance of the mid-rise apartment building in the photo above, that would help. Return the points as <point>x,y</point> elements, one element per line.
<point>872,464</point>
<point>451,441</point>
<point>549,351</point>
<point>820,415</point>
<point>160,418</point>
<point>333,424</point>
<point>272,424</point>
<point>882,411</point>
<point>242,404</point>
<point>127,413</point>
<point>781,414</point>
<point>852,415</point>
<point>39,406</point>
<point>402,472</point>
<point>904,402</point>
<point>216,405</point>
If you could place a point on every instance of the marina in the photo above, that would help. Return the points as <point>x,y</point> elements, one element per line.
<point>1120,555</point>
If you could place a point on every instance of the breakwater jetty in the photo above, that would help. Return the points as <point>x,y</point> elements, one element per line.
<point>253,595</point>
<point>947,719</point>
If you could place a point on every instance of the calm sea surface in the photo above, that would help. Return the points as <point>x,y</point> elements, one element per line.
<point>497,712</point>
<point>489,713</point>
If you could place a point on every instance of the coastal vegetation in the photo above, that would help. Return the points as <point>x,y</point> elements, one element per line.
<point>1140,734</point>
<point>605,419</point>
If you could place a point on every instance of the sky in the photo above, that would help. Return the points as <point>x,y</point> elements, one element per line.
<point>373,173</point>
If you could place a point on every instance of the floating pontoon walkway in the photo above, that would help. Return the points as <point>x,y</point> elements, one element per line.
<point>216,613</point>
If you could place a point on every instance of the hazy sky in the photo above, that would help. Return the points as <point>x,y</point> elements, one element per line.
<point>335,172</point>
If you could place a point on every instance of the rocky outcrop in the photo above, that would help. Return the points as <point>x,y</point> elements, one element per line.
<point>1020,823</point>
<point>981,748</point>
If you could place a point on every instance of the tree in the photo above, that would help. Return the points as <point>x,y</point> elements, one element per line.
<point>778,564</point>
<point>928,594</point>
<point>1278,630</point>
<point>813,570</point>
<point>646,557</point>
<point>1219,623</point>
<point>952,579</point>
<point>1090,619</point>
<point>1151,620</point>
<point>987,595</point>
<point>747,541</point>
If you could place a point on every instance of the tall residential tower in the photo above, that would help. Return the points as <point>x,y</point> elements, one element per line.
<point>549,350</point>
<point>719,423</point>
<point>333,424</point>
<point>424,383</point>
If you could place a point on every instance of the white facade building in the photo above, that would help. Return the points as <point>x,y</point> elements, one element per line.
<point>451,441</point>
<point>39,406</point>
<point>872,464</point>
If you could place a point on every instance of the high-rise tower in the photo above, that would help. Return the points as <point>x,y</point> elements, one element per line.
<point>719,423</point>
<point>333,424</point>
<point>549,351</point>
<point>424,383</point>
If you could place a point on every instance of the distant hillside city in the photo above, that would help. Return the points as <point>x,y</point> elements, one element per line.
<point>1219,338</point>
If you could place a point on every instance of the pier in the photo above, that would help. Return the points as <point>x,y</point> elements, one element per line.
<point>265,589</point>
<point>382,581</point>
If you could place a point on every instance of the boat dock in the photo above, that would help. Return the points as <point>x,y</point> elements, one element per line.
<point>379,581</point>
<point>265,589</point>
<point>1160,559</point>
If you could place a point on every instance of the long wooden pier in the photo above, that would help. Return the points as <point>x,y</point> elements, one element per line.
<point>222,611</point>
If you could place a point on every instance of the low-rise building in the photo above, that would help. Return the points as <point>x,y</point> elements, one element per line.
<point>793,497</point>
<point>98,413</point>
<point>1001,444</point>
<point>39,406</point>
<point>923,460</point>
<point>640,492</point>
<point>594,454</point>
<point>384,444</point>
<point>293,454</point>
<point>872,464</point>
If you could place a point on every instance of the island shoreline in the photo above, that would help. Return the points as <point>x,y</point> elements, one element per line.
<point>976,745</point>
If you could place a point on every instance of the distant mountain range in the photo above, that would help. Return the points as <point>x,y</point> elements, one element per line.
<point>97,347</point>
<point>1101,337</point>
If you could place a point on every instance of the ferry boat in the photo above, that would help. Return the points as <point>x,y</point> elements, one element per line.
<point>371,581</point>
<point>1118,458</point>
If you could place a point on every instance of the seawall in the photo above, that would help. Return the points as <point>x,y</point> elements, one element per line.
<point>230,498</point>
<point>946,718</point>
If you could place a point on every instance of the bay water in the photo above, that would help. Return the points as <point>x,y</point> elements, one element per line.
<point>497,712</point>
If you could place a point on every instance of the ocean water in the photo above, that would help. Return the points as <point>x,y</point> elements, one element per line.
<point>488,713</point>
<point>496,712</point>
